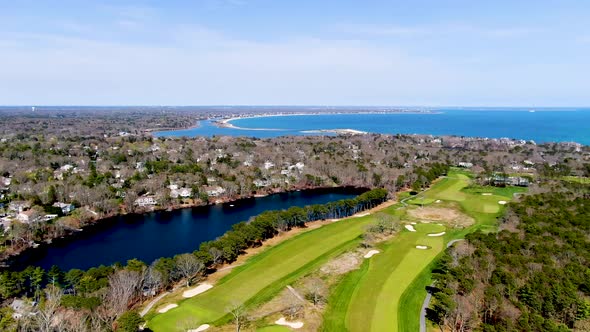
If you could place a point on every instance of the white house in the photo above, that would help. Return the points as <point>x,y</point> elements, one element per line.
<point>66,208</point>
<point>214,191</point>
<point>146,201</point>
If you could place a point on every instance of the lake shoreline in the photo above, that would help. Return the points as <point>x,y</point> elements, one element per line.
<point>21,259</point>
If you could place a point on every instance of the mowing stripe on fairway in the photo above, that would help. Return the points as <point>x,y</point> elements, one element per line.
<point>374,303</point>
<point>264,273</point>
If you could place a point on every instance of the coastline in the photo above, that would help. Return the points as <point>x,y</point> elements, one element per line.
<point>226,123</point>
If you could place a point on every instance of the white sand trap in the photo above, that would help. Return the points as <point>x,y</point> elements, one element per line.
<point>371,253</point>
<point>421,247</point>
<point>197,290</point>
<point>362,215</point>
<point>168,307</point>
<point>437,234</point>
<point>486,194</point>
<point>502,202</point>
<point>438,201</point>
<point>410,228</point>
<point>293,325</point>
<point>200,328</point>
<point>414,223</point>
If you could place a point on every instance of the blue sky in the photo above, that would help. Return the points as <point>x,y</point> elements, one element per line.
<point>249,52</point>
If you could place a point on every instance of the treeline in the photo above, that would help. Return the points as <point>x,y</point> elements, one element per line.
<point>534,275</point>
<point>108,291</point>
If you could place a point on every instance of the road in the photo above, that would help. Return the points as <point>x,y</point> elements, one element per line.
<point>426,302</point>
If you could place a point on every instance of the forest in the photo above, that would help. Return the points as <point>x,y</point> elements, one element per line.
<point>534,275</point>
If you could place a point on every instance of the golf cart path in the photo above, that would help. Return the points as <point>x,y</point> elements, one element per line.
<point>426,302</point>
<point>152,303</point>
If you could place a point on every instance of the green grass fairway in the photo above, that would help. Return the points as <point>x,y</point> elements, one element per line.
<point>387,292</point>
<point>265,274</point>
<point>371,295</point>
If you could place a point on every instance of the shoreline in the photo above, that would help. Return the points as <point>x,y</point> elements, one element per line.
<point>226,123</point>
<point>19,260</point>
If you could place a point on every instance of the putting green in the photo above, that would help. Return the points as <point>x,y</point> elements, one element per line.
<point>266,274</point>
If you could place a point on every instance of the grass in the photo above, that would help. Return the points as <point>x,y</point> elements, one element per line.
<point>395,280</point>
<point>577,179</point>
<point>265,274</point>
<point>366,297</point>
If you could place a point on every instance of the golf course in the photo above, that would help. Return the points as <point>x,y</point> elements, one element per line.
<point>383,293</point>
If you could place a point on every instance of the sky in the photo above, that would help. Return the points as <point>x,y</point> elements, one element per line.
<point>281,52</point>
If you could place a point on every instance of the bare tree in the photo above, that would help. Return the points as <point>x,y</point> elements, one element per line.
<point>46,315</point>
<point>238,312</point>
<point>315,290</point>
<point>187,265</point>
<point>216,254</point>
<point>123,288</point>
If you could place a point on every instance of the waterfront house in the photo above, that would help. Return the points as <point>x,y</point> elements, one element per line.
<point>146,201</point>
<point>66,208</point>
<point>214,191</point>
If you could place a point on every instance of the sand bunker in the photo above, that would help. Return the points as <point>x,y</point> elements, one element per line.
<point>362,215</point>
<point>486,194</point>
<point>502,202</point>
<point>371,253</point>
<point>437,234</point>
<point>410,228</point>
<point>293,325</point>
<point>431,213</point>
<point>197,290</point>
<point>421,247</point>
<point>167,307</point>
<point>414,223</point>
<point>438,201</point>
<point>200,328</point>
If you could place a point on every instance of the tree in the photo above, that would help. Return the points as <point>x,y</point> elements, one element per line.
<point>187,265</point>
<point>47,311</point>
<point>129,321</point>
<point>315,290</point>
<point>238,312</point>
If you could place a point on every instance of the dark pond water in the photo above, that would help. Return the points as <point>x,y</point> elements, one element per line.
<point>164,234</point>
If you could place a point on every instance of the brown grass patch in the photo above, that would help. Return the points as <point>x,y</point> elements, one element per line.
<point>443,214</point>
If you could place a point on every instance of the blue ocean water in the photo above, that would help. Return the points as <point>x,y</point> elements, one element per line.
<point>539,125</point>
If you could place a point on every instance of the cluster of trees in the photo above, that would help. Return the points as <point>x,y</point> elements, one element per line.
<point>534,275</point>
<point>99,298</point>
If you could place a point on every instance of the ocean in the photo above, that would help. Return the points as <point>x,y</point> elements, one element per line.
<point>539,125</point>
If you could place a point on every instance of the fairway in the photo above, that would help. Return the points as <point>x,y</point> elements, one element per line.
<point>376,291</point>
<point>265,274</point>
<point>369,299</point>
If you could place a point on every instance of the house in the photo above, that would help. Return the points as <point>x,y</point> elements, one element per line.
<point>25,216</point>
<point>176,192</point>
<point>268,164</point>
<point>465,164</point>
<point>146,201</point>
<point>6,222</point>
<point>66,208</point>
<point>18,206</point>
<point>261,183</point>
<point>214,191</point>
<point>48,217</point>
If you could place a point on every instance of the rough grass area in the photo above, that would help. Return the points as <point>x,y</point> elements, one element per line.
<point>264,275</point>
<point>451,216</point>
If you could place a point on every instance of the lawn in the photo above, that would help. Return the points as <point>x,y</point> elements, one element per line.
<point>264,275</point>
